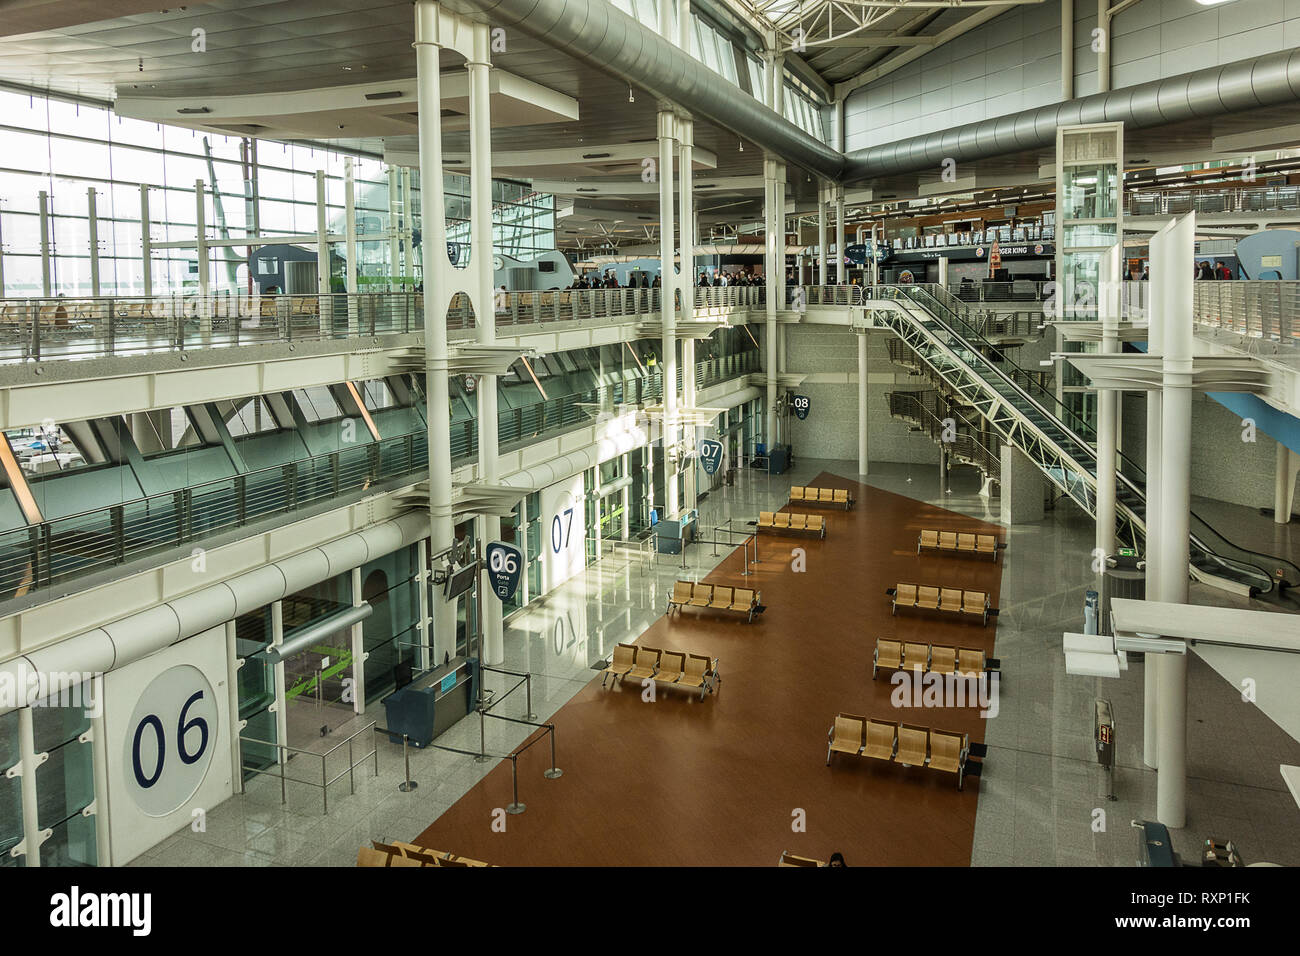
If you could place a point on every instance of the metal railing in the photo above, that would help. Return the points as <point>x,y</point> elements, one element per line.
<point>76,545</point>
<point>284,750</point>
<point>922,409</point>
<point>1262,309</point>
<point>47,329</point>
<point>1175,202</point>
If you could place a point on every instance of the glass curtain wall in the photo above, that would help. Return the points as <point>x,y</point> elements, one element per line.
<point>64,148</point>
<point>65,782</point>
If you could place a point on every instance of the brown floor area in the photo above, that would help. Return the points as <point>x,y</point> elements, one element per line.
<point>680,782</point>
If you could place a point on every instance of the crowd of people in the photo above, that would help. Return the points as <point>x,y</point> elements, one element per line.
<point>1217,271</point>
<point>642,280</point>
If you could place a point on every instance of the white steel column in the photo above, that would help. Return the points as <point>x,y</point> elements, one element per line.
<point>146,243</point>
<point>840,233</point>
<point>395,227</point>
<point>408,221</point>
<point>350,240</point>
<point>233,665</point>
<point>1155,413</point>
<point>27,784</point>
<point>92,222</point>
<point>44,202</point>
<point>324,310</point>
<point>201,248</point>
<point>823,208</point>
<point>1108,307</point>
<point>357,642</point>
<point>480,260</point>
<point>943,272</point>
<point>770,267</point>
<point>1175,477</point>
<point>281,700</point>
<point>667,307</point>
<point>436,266</point>
<point>686,208</point>
<point>862,403</point>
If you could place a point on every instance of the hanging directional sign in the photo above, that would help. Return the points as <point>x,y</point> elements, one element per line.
<point>801,404</point>
<point>504,562</point>
<point>710,451</point>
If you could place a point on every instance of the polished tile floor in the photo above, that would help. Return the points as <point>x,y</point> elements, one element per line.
<point>1042,798</point>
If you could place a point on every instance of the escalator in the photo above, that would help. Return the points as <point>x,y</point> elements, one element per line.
<point>1024,413</point>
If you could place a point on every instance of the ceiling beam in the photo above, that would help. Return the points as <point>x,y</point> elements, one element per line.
<point>899,60</point>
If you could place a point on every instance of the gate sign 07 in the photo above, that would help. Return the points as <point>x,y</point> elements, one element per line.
<point>801,404</point>
<point>504,562</point>
<point>710,451</point>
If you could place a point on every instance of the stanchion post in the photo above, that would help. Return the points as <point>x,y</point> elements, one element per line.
<point>555,771</point>
<point>407,785</point>
<point>482,740</point>
<point>528,689</point>
<point>515,807</point>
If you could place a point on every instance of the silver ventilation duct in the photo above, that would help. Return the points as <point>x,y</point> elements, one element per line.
<point>604,37</point>
<point>1269,80</point>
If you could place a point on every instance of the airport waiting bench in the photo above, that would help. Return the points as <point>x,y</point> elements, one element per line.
<point>408,854</point>
<point>789,859</point>
<point>822,497</point>
<point>904,744</point>
<point>959,542</point>
<point>931,659</point>
<point>718,597</point>
<point>696,671</point>
<point>791,522</point>
<point>950,600</point>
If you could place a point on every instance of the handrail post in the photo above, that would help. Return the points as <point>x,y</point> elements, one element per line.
<point>528,690</point>
<point>352,778</point>
<point>283,759</point>
<point>482,740</point>
<point>324,788</point>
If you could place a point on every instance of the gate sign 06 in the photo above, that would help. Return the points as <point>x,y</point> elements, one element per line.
<point>802,404</point>
<point>504,562</point>
<point>710,451</point>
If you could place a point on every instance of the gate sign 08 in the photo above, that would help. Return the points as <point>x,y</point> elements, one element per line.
<point>710,450</point>
<point>802,404</point>
<point>504,562</point>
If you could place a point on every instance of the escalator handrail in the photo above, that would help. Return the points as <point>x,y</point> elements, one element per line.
<point>1245,566</point>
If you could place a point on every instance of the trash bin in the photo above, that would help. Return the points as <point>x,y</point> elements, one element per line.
<point>1091,602</point>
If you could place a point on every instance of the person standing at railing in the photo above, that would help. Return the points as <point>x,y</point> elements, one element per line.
<point>1223,271</point>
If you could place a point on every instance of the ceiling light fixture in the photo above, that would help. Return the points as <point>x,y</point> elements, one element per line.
<point>630,97</point>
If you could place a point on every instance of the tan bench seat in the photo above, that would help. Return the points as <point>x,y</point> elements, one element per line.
<point>622,662</point>
<point>958,542</point>
<point>827,497</point>
<point>846,736</point>
<point>881,740</point>
<point>645,665</point>
<point>950,600</point>
<point>717,597</point>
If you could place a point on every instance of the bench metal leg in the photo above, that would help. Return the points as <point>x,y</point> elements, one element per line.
<point>828,755</point>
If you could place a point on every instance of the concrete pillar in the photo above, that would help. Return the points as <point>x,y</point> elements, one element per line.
<point>201,248</point>
<point>686,204</point>
<point>1175,506</point>
<point>823,208</point>
<point>436,268</point>
<point>774,283</point>
<point>43,201</point>
<point>146,243</point>
<point>1107,414</point>
<point>481,254</point>
<point>862,404</point>
<point>350,241</point>
<point>326,310</point>
<point>943,272</point>
<point>394,229</point>
<point>1067,49</point>
<point>668,310</point>
<point>841,231</point>
<point>625,501</point>
<point>1284,484</point>
<point>1021,486</point>
<point>1155,419</point>
<point>92,223</point>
